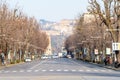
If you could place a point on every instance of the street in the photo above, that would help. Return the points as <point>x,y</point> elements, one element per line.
<point>60,69</point>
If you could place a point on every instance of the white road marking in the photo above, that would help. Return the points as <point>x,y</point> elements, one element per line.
<point>36,70</point>
<point>21,70</point>
<point>103,70</point>
<point>96,70</point>
<point>66,70</point>
<point>88,70</point>
<point>51,70</point>
<point>14,71</point>
<point>37,65</point>
<point>44,70</point>
<point>6,71</point>
<point>110,70</point>
<point>29,70</point>
<point>73,70</point>
<point>81,70</point>
<point>59,70</point>
<point>2,70</point>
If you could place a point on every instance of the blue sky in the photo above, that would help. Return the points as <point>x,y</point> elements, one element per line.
<point>53,10</point>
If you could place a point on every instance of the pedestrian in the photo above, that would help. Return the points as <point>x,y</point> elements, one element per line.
<point>105,60</point>
<point>2,58</point>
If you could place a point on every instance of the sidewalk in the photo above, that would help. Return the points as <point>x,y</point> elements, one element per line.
<point>102,65</point>
<point>108,67</point>
<point>10,65</point>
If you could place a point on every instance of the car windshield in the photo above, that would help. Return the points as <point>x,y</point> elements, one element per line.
<point>59,39</point>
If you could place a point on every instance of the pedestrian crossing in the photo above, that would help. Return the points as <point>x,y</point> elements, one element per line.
<point>52,70</point>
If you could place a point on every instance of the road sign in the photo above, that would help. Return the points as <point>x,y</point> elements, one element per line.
<point>115,46</point>
<point>108,51</point>
<point>96,51</point>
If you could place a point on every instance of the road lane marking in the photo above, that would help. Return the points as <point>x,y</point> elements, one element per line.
<point>44,70</point>
<point>103,70</point>
<point>14,71</point>
<point>36,70</point>
<point>81,70</point>
<point>37,65</point>
<point>65,70</point>
<point>96,70</point>
<point>88,70</point>
<point>29,70</point>
<point>6,71</point>
<point>2,71</point>
<point>59,70</point>
<point>21,71</point>
<point>73,70</point>
<point>51,70</point>
<point>72,61</point>
<point>110,70</point>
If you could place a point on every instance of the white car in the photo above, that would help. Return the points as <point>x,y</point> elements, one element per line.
<point>55,56</point>
<point>68,56</point>
<point>28,59</point>
<point>44,57</point>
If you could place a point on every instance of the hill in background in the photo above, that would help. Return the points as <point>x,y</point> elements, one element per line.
<point>58,32</point>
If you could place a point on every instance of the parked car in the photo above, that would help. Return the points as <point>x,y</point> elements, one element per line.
<point>28,59</point>
<point>55,56</point>
<point>49,56</point>
<point>44,57</point>
<point>68,56</point>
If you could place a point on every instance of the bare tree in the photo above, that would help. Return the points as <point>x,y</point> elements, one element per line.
<point>19,32</point>
<point>109,16</point>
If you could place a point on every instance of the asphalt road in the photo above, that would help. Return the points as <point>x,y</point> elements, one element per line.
<point>58,69</point>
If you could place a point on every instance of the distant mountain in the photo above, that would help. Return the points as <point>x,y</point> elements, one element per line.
<point>58,31</point>
<point>46,25</point>
<point>44,22</point>
<point>65,26</point>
